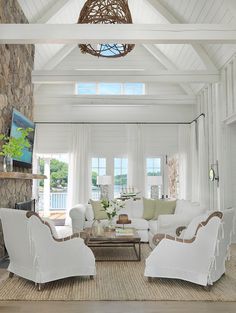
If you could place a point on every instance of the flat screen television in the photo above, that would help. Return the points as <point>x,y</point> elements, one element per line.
<point>20,121</point>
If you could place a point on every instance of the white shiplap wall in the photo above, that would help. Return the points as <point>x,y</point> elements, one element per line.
<point>233,162</point>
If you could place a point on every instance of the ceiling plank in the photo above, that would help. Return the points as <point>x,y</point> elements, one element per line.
<point>131,33</point>
<point>43,76</point>
<point>231,5</point>
<point>52,11</point>
<point>154,51</point>
<point>61,55</point>
<point>169,17</point>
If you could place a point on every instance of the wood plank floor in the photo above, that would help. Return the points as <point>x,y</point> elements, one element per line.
<point>117,307</point>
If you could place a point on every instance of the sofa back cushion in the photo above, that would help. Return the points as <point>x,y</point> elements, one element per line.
<point>187,208</point>
<point>149,208</point>
<point>164,207</point>
<point>98,210</point>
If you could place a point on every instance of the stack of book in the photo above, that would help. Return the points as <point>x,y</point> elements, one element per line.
<point>124,232</point>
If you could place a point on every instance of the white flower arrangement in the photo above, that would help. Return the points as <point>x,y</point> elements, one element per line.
<point>111,207</point>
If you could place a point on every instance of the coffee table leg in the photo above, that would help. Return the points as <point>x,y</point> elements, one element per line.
<point>138,253</point>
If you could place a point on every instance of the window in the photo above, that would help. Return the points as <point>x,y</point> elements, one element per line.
<point>120,175</point>
<point>98,169</point>
<point>86,89</point>
<point>110,88</point>
<point>153,168</point>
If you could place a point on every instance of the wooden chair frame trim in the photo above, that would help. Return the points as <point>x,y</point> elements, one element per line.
<point>82,235</point>
<point>179,230</point>
<point>159,237</point>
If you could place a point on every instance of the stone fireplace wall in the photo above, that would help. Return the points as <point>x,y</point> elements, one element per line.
<point>16,91</point>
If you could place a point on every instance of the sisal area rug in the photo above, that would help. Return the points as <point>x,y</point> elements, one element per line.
<point>122,281</point>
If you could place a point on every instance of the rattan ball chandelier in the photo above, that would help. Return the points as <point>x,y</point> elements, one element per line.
<point>106,12</point>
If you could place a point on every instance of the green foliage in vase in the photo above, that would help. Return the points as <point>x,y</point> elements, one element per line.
<point>13,147</point>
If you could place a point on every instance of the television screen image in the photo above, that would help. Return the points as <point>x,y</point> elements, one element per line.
<point>20,121</point>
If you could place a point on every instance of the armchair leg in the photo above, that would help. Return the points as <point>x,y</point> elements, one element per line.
<point>149,279</point>
<point>11,274</point>
<point>207,288</point>
<point>91,277</point>
<point>40,286</point>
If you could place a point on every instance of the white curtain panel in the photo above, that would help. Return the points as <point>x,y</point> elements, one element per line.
<point>136,163</point>
<point>203,164</point>
<point>184,162</point>
<point>78,172</point>
<point>194,163</point>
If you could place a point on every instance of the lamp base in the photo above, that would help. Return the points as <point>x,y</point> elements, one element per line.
<point>154,192</point>
<point>104,192</point>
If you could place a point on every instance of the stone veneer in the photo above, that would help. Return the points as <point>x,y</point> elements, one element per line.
<point>16,91</point>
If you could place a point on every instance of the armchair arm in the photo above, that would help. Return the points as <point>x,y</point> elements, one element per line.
<point>77,215</point>
<point>179,230</point>
<point>84,235</point>
<point>159,237</point>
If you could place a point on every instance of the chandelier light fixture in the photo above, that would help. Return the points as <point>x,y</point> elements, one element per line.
<point>106,12</point>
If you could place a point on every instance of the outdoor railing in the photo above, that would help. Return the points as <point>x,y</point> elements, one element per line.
<point>58,200</point>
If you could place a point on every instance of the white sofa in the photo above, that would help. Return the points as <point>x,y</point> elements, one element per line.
<point>82,216</point>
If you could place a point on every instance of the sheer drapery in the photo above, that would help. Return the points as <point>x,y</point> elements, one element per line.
<point>136,167</point>
<point>194,163</point>
<point>78,172</point>
<point>203,164</point>
<point>184,162</point>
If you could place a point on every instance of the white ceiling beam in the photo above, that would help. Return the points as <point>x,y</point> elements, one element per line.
<point>171,18</point>
<point>120,33</point>
<point>158,55</point>
<point>43,76</point>
<point>61,55</point>
<point>114,100</point>
<point>52,11</point>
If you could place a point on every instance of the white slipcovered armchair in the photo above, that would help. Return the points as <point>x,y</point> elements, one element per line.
<point>200,259</point>
<point>35,254</point>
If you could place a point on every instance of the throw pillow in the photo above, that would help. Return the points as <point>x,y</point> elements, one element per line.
<point>98,210</point>
<point>149,206</point>
<point>164,207</point>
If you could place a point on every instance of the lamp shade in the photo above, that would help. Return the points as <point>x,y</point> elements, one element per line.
<point>154,180</point>
<point>104,180</point>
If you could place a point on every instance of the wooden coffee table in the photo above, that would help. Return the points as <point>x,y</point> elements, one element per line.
<point>110,240</point>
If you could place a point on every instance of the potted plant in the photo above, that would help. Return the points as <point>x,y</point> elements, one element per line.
<point>13,147</point>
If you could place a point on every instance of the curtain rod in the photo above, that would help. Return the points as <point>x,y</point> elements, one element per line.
<point>116,123</point>
<point>195,120</point>
<point>120,123</point>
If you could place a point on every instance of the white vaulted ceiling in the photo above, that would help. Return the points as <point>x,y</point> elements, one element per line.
<point>185,57</point>
<point>149,59</point>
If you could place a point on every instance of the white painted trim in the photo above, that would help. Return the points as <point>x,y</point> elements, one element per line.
<point>130,33</point>
<point>43,76</point>
<point>123,100</point>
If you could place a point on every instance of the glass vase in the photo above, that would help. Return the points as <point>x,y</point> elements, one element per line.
<point>110,225</point>
<point>7,164</point>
